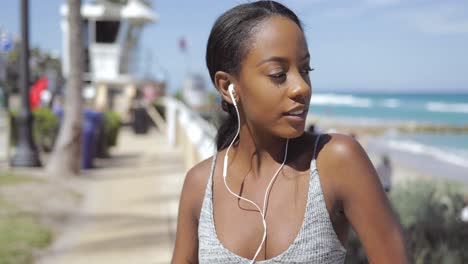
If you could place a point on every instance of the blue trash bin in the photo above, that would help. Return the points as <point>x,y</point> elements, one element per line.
<point>91,122</point>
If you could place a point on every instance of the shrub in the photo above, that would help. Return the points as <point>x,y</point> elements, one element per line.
<point>430,215</point>
<point>111,127</point>
<point>45,128</point>
<point>429,212</point>
<point>107,133</point>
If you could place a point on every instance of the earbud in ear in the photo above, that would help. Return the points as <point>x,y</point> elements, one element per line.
<point>231,93</point>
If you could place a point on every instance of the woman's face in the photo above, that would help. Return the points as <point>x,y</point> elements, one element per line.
<point>274,85</point>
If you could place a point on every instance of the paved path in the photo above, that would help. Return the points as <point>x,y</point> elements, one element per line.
<point>129,211</point>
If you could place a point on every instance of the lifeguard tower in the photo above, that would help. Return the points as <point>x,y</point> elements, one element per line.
<point>111,33</point>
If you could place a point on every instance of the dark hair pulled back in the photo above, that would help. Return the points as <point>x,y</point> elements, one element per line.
<point>228,44</point>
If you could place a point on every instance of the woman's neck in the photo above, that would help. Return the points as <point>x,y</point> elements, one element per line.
<point>259,151</point>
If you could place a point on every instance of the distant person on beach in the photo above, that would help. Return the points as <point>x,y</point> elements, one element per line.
<point>384,170</point>
<point>313,128</point>
<point>464,212</point>
<point>273,192</point>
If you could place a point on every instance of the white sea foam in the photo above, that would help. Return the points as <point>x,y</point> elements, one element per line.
<point>420,149</point>
<point>447,107</point>
<point>340,100</point>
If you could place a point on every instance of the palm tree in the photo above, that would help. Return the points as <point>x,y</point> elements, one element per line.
<point>65,159</point>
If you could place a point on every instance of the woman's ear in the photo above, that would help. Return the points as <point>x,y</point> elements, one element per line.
<point>222,82</point>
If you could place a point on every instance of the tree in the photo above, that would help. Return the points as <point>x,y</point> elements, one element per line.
<point>65,159</point>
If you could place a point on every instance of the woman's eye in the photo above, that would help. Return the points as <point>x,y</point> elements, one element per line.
<point>278,75</point>
<point>307,70</point>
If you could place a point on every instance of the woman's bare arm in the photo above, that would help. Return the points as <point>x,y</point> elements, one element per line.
<point>365,203</point>
<point>191,199</point>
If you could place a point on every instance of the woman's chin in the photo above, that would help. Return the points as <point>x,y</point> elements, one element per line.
<point>294,132</point>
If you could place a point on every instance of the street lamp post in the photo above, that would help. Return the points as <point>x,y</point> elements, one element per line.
<point>26,154</point>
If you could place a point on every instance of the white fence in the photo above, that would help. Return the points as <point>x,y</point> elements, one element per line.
<point>189,130</point>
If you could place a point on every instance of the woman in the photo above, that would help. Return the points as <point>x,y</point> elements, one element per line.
<point>306,189</point>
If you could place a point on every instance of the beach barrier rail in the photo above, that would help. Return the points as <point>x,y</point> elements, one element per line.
<point>188,130</point>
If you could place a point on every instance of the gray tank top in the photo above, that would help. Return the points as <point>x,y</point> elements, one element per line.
<point>316,241</point>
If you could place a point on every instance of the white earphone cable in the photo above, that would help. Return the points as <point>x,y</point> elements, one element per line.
<point>261,211</point>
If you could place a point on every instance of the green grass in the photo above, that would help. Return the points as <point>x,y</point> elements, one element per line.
<point>7,178</point>
<point>19,236</point>
<point>20,233</point>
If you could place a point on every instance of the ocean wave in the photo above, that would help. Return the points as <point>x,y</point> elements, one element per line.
<point>447,107</point>
<point>391,103</point>
<point>420,149</point>
<point>341,100</point>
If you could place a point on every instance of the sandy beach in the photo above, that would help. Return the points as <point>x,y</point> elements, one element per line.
<point>406,167</point>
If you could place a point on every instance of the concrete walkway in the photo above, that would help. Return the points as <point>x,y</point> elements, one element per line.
<point>129,210</point>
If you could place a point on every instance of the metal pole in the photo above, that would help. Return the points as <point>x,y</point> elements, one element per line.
<point>26,154</point>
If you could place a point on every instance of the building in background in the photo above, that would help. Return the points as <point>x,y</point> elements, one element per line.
<point>111,35</point>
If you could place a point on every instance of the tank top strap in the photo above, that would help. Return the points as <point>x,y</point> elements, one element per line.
<point>315,147</point>
<point>213,163</point>
<point>313,165</point>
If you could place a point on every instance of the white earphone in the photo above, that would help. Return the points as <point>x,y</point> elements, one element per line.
<point>226,159</point>
<point>231,93</point>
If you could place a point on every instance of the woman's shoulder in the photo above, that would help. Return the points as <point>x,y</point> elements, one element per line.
<point>200,172</point>
<point>336,147</point>
<point>343,160</point>
<point>195,184</point>
<point>337,154</point>
<point>331,146</point>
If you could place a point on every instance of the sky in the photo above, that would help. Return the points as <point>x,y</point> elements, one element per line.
<point>355,45</point>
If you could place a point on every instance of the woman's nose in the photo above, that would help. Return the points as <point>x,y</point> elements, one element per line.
<point>300,91</point>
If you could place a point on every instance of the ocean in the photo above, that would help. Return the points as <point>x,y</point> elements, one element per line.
<point>451,109</point>
<point>445,153</point>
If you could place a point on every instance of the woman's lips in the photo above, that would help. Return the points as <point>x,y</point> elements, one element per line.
<point>296,115</point>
